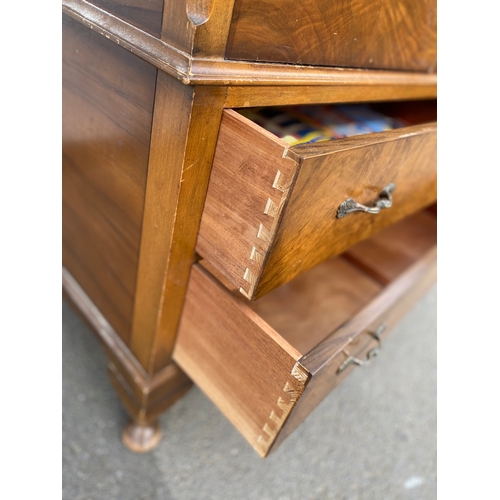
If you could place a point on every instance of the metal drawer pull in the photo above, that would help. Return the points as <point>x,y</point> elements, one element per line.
<point>351,360</point>
<point>384,201</point>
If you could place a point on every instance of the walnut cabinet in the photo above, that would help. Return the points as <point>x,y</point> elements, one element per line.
<point>203,248</point>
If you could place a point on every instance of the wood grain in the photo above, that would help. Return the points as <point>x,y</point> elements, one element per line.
<point>240,354</point>
<point>253,96</point>
<point>250,181</point>
<point>261,237</point>
<point>384,34</point>
<point>353,338</point>
<point>237,360</point>
<point>309,308</point>
<point>198,27</point>
<point>144,397</point>
<point>145,15</point>
<point>217,71</point>
<point>185,127</point>
<point>359,168</point>
<point>386,254</point>
<point>107,111</point>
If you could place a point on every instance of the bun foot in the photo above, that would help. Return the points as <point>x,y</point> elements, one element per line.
<point>141,438</point>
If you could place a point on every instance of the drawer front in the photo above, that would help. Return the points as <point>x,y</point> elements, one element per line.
<point>383,34</point>
<point>271,210</point>
<point>360,339</point>
<point>264,385</point>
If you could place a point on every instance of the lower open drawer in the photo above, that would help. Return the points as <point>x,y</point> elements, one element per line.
<point>269,363</point>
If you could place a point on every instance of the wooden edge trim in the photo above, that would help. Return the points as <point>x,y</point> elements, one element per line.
<point>123,360</point>
<point>361,141</point>
<point>245,96</point>
<point>326,350</point>
<point>160,54</point>
<point>208,71</point>
<point>103,329</point>
<point>226,72</point>
<point>284,407</point>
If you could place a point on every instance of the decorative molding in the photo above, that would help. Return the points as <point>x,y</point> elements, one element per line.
<point>218,71</point>
<point>132,376</point>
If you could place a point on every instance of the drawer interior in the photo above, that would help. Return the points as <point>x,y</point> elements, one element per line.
<point>315,303</point>
<point>309,308</point>
<point>267,364</point>
<point>307,124</point>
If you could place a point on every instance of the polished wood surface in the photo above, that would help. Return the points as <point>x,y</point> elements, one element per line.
<point>388,253</point>
<point>384,34</point>
<point>217,71</point>
<point>138,148</point>
<point>141,438</point>
<point>241,363</point>
<point>250,169</point>
<point>144,397</point>
<point>354,338</point>
<point>146,15</point>
<point>107,111</point>
<point>198,27</point>
<point>185,127</point>
<point>329,175</point>
<point>254,96</point>
<point>307,309</point>
<point>277,215</point>
<point>240,354</point>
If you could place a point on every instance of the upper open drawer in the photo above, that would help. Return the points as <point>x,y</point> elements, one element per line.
<point>274,210</point>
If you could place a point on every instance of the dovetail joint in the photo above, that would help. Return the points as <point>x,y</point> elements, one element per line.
<point>273,210</point>
<point>269,432</point>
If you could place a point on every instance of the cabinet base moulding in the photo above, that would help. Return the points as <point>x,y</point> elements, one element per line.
<point>144,396</point>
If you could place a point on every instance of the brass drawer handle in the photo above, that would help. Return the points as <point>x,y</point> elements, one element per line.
<point>351,360</point>
<point>384,201</point>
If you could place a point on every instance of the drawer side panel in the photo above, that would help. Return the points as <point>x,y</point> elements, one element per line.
<point>249,186</point>
<point>243,366</point>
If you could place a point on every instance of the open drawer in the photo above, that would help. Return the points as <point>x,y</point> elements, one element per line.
<point>268,364</point>
<point>274,210</point>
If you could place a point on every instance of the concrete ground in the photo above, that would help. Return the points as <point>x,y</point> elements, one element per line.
<point>373,438</point>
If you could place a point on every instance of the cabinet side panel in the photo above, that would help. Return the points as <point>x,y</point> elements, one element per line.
<point>144,15</point>
<point>107,114</point>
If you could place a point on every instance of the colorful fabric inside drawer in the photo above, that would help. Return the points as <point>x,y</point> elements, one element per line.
<point>308,124</point>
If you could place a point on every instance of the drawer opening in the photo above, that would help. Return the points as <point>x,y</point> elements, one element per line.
<point>314,304</point>
<point>267,364</point>
<point>272,210</point>
<point>308,124</point>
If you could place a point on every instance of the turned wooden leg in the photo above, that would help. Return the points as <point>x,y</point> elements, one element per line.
<point>141,437</point>
<point>145,398</point>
